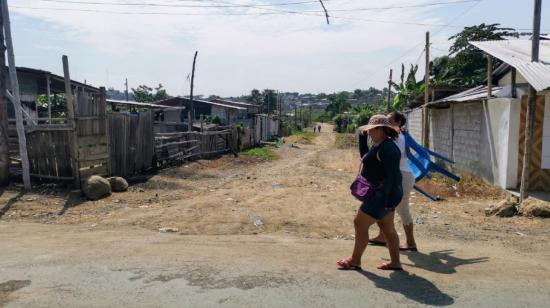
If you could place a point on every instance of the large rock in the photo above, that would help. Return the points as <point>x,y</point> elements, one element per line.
<point>505,208</point>
<point>536,208</point>
<point>96,187</point>
<point>118,184</point>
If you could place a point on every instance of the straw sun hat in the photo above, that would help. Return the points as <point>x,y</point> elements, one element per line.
<point>376,120</point>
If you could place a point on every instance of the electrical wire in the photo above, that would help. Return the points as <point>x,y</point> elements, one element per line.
<point>179,5</point>
<point>372,74</point>
<point>231,5</point>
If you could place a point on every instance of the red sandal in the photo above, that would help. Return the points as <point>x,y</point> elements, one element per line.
<point>345,264</point>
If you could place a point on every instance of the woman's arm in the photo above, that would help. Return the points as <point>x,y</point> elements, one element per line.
<point>363,145</point>
<point>390,156</point>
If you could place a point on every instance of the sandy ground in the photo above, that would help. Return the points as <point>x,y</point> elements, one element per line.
<point>59,249</point>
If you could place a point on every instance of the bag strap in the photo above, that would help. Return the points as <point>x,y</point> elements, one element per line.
<point>361,165</point>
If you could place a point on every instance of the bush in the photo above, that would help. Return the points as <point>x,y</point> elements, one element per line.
<point>263,153</point>
<point>216,120</point>
<point>341,122</point>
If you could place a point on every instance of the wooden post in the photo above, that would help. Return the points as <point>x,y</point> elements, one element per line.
<point>189,122</point>
<point>295,116</point>
<point>48,93</point>
<point>4,139</point>
<point>73,142</point>
<point>389,91</point>
<point>489,76</point>
<point>16,99</point>
<point>425,115</point>
<point>202,119</point>
<point>193,84</point>
<point>531,105</point>
<point>514,84</point>
<point>126,92</point>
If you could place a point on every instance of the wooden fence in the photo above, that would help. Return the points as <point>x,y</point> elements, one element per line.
<point>92,156</point>
<point>131,141</point>
<point>179,146</point>
<point>58,148</point>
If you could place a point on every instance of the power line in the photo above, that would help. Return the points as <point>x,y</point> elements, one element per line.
<point>231,5</point>
<point>417,45</point>
<point>178,5</point>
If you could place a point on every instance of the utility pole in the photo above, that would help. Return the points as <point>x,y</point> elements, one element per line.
<point>126,84</point>
<point>389,91</point>
<point>531,105</point>
<point>295,115</point>
<point>4,140</point>
<point>14,97</point>
<point>268,99</point>
<point>192,85</point>
<point>425,116</point>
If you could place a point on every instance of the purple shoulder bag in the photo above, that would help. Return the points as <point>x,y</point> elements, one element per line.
<point>361,188</point>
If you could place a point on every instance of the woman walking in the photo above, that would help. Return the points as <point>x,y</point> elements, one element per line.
<point>403,209</point>
<point>381,169</point>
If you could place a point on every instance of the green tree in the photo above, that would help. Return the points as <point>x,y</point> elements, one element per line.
<point>338,104</point>
<point>255,97</point>
<point>465,65</point>
<point>160,93</point>
<point>269,100</point>
<point>144,93</point>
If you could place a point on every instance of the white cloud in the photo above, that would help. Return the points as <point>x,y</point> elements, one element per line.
<point>240,45</point>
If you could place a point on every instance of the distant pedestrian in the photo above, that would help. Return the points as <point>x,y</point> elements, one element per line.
<point>403,209</point>
<point>319,128</point>
<point>380,169</point>
<point>314,129</point>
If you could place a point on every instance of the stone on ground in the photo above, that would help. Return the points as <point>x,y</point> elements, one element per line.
<point>118,184</point>
<point>505,208</point>
<point>96,187</point>
<point>535,207</point>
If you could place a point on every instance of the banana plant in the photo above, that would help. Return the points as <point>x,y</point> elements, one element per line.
<point>408,89</point>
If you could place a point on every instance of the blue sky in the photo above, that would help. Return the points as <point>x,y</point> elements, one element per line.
<point>287,52</point>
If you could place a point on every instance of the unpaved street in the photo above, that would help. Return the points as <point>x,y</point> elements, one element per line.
<point>57,249</point>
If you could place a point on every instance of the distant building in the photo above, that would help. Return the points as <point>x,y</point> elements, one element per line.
<point>229,113</point>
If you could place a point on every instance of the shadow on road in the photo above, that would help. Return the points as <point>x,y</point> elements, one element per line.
<point>412,287</point>
<point>441,262</point>
<point>10,203</point>
<point>72,200</point>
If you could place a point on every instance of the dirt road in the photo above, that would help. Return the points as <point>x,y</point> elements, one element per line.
<point>57,249</point>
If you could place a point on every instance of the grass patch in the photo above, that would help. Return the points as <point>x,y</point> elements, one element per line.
<point>263,153</point>
<point>346,141</point>
<point>305,135</point>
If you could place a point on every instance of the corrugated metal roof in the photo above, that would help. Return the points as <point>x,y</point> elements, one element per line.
<point>474,94</point>
<point>517,53</point>
<point>139,104</point>
<point>175,101</point>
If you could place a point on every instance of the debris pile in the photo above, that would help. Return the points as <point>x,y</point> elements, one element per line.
<point>505,208</point>
<point>535,208</point>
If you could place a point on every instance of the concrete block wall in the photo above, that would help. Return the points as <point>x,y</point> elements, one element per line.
<point>414,124</point>
<point>467,135</point>
<point>440,132</point>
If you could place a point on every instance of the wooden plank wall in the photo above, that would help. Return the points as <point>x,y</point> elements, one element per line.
<point>132,142</point>
<point>91,134</point>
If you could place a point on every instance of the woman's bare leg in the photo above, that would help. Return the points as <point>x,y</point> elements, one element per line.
<point>388,228</point>
<point>409,232</point>
<point>362,223</point>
